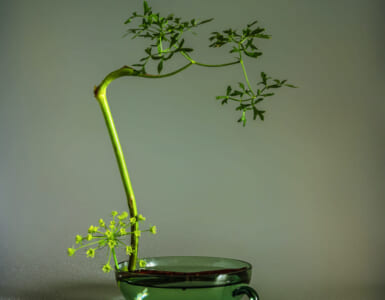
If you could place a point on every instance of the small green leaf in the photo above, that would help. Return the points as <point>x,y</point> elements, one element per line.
<point>248,92</point>
<point>186,49</point>
<point>241,85</point>
<point>252,54</point>
<point>236,93</point>
<point>146,8</point>
<point>255,113</point>
<point>205,21</point>
<point>228,91</point>
<point>260,114</point>
<point>263,36</point>
<point>257,31</point>
<point>160,66</point>
<point>148,50</point>
<point>290,85</point>
<point>221,97</point>
<point>264,77</point>
<point>181,44</point>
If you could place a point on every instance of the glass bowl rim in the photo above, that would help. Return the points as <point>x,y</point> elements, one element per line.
<point>232,271</point>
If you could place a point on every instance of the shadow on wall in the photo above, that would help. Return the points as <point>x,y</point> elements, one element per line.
<point>83,291</point>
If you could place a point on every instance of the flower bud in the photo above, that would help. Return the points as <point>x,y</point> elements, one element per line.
<point>141,218</point>
<point>123,215</point>
<point>153,229</point>
<point>129,250</point>
<point>107,268</point>
<point>71,251</point>
<point>93,229</point>
<point>90,253</point>
<point>79,239</point>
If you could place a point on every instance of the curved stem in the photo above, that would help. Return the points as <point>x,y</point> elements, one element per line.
<point>100,95</point>
<point>145,75</point>
<point>216,66</point>
<point>207,65</point>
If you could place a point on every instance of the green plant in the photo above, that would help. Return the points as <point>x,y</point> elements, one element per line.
<point>166,36</point>
<point>111,236</point>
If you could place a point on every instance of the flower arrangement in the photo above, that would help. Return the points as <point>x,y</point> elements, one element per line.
<point>166,35</point>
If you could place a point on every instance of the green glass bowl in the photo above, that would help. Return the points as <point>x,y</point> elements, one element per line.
<point>187,278</point>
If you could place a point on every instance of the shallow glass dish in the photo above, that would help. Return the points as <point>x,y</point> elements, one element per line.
<point>187,278</point>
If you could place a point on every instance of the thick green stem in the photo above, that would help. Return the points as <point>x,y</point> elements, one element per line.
<point>100,95</point>
<point>123,173</point>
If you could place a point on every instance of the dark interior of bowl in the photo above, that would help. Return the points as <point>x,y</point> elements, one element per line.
<point>187,272</point>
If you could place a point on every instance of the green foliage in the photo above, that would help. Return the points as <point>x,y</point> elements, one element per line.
<point>242,41</point>
<point>165,33</point>
<point>111,237</point>
<point>247,99</point>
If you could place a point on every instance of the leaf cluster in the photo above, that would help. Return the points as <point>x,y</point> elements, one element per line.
<point>165,33</point>
<point>242,41</point>
<point>247,99</point>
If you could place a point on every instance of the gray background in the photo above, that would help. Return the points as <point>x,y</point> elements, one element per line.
<point>300,196</point>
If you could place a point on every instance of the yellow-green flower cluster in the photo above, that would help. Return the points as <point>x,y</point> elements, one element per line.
<point>111,236</point>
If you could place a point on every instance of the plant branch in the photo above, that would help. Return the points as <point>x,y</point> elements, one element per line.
<point>207,65</point>
<point>245,73</point>
<point>100,95</point>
